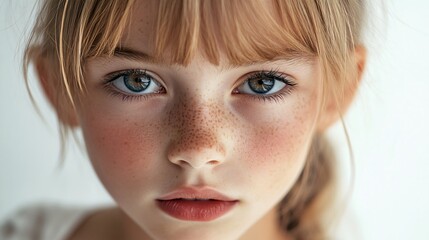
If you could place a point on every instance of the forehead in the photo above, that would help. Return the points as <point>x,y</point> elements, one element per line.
<point>218,31</point>
<point>140,33</point>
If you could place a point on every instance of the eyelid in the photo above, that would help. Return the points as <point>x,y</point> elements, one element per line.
<point>114,75</point>
<point>110,86</point>
<point>289,85</point>
<point>288,79</point>
<point>111,77</point>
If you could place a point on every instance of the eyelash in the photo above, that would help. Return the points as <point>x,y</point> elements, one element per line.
<point>272,74</point>
<point>113,91</point>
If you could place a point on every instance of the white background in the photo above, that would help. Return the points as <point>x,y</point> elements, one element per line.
<point>388,125</point>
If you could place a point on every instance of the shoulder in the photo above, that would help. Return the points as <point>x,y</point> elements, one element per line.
<point>42,221</point>
<point>101,224</point>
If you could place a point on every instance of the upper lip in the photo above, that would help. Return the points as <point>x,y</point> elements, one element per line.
<point>204,193</point>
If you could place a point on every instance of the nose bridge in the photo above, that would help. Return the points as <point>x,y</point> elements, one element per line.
<point>196,127</point>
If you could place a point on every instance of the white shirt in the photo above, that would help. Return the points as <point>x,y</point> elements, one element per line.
<point>43,222</point>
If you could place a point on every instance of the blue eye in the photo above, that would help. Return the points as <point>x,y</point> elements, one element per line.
<point>136,82</point>
<point>265,83</point>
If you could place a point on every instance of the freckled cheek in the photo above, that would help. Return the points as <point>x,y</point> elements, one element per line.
<point>276,145</point>
<point>274,153</point>
<point>279,137</point>
<point>122,152</point>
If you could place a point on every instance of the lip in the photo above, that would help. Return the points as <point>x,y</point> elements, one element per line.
<point>196,204</point>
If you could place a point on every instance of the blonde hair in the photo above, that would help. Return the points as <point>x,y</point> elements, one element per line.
<point>70,32</point>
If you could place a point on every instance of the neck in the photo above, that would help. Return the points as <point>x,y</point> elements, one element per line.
<point>130,230</point>
<point>267,227</point>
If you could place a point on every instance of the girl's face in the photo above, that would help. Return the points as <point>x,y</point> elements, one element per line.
<point>200,151</point>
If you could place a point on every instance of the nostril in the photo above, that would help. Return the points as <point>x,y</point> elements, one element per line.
<point>213,162</point>
<point>182,162</point>
<point>196,163</point>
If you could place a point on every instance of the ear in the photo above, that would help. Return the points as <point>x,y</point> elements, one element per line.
<point>333,109</point>
<point>52,88</point>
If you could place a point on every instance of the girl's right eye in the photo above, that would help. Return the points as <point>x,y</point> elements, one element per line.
<point>135,83</point>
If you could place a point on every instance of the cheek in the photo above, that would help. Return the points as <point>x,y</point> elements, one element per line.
<point>269,145</point>
<point>276,156</point>
<point>121,150</point>
<point>282,139</point>
<point>276,147</point>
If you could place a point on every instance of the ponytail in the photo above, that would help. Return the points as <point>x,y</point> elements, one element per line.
<point>303,209</point>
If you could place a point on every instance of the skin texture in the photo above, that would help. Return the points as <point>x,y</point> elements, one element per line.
<point>199,134</point>
<point>201,131</point>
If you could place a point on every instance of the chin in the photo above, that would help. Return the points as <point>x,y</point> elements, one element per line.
<point>199,234</point>
<point>198,230</point>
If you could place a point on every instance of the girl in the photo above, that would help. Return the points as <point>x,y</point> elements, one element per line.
<point>202,119</point>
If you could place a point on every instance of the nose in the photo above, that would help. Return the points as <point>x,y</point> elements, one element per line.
<point>196,158</point>
<point>197,139</point>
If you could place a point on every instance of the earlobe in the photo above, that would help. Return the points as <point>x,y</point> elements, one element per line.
<point>335,108</point>
<point>50,83</point>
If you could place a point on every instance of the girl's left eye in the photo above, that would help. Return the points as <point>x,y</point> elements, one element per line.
<point>265,83</point>
<point>135,82</point>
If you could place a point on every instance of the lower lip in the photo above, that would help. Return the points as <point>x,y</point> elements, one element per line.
<point>194,210</point>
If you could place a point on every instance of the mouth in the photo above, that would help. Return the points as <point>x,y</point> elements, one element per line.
<point>192,204</point>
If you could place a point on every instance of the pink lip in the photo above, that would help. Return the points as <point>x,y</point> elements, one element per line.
<point>195,204</point>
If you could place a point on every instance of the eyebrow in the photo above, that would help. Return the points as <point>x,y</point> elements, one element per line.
<point>134,55</point>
